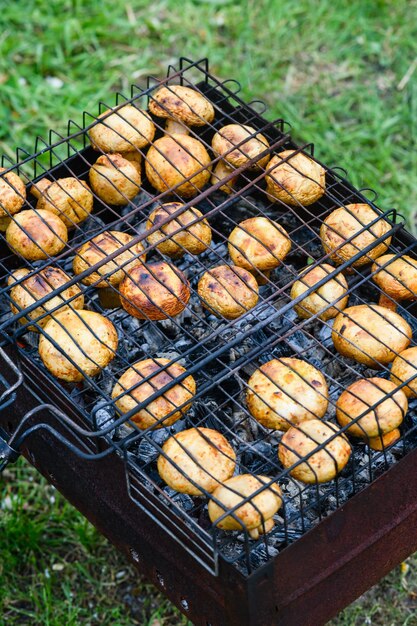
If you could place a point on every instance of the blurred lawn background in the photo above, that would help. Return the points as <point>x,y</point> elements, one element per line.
<point>342,73</point>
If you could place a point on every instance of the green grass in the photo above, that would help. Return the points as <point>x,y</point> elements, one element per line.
<point>337,71</point>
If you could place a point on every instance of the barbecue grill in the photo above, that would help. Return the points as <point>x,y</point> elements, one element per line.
<point>330,541</point>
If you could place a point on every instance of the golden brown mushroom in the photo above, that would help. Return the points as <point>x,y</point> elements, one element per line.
<point>259,245</point>
<point>370,334</point>
<point>344,223</point>
<point>256,514</point>
<point>359,398</point>
<point>286,391</point>
<point>39,285</point>
<point>299,180</point>
<point>194,239</point>
<point>397,278</point>
<point>228,291</point>
<point>114,179</point>
<point>334,291</point>
<point>98,249</point>
<point>172,159</point>
<point>86,342</point>
<point>35,234</point>
<point>176,400</point>
<point>69,198</point>
<point>39,188</point>
<point>237,145</point>
<point>204,457</point>
<point>385,441</point>
<point>322,466</point>
<point>404,370</point>
<point>12,196</point>
<point>135,158</point>
<point>125,130</point>
<point>156,291</point>
<point>181,107</point>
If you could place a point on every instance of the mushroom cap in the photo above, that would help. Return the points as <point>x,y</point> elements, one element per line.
<point>258,243</point>
<point>114,179</point>
<point>286,391</point>
<point>382,443</point>
<point>171,160</point>
<point>323,465</point>
<point>38,188</point>
<point>156,291</point>
<point>258,510</point>
<point>343,223</point>
<point>333,291</point>
<point>99,248</point>
<point>360,396</point>
<point>203,456</point>
<point>36,235</point>
<point>399,278</point>
<point>250,144</point>
<point>300,180</point>
<point>125,130</point>
<point>69,198</point>
<point>404,368</point>
<point>177,398</point>
<point>228,291</point>
<point>4,222</point>
<point>39,285</point>
<point>182,104</point>
<point>194,239</point>
<point>12,193</point>
<point>87,338</point>
<point>370,334</point>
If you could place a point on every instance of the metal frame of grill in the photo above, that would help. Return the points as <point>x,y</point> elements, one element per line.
<point>61,421</point>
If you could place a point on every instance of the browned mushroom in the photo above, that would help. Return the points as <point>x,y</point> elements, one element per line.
<point>298,180</point>
<point>334,292</point>
<point>156,291</point>
<point>286,391</point>
<point>39,188</point>
<point>228,291</point>
<point>404,370</point>
<point>124,130</point>
<point>352,222</point>
<point>396,277</point>
<point>12,196</point>
<point>35,234</point>
<point>166,408</point>
<point>204,457</point>
<point>69,198</point>
<point>385,441</point>
<point>370,334</point>
<point>114,179</point>
<point>259,245</point>
<point>171,160</point>
<point>183,235</point>
<point>181,107</point>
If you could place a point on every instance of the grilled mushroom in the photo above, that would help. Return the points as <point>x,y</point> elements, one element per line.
<point>256,514</point>
<point>404,370</point>
<point>204,459</point>
<point>397,277</point>
<point>181,107</point>
<point>168,407</point>
<point>35,234</point>
<point>286,391</point>
<point>125,130</point>
<point>154,292</point>
<point>298,180</point>
<point>359,399</point>
<point>12,196</point>
<point>302,440</point>
<point>228,291</point>
<point>98,249</point>
<point>114,179</point>
<point>172,160</point>
<point>259,245</point>
<point>385,441</point>
<point>38,189</point>
<point>370,334</point>
<point>334,291</point>
<point>346,223</point>
<point>85,343</point>
<point>37,286</point>
<point>194,238</point>
<point>238,145</point>
<point>69,198</point>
